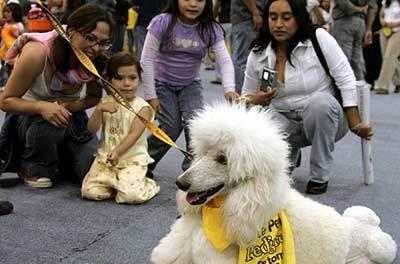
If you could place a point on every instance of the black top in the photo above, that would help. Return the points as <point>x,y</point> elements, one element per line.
<point>147,10</point>
<point>225,11</point>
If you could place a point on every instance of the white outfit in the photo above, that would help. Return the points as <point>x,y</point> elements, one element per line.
<point>392,13</point>
<point>307,76</point>
<point>305,104</point>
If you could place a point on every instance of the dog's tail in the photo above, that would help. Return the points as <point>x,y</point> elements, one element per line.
<point>379,246</point>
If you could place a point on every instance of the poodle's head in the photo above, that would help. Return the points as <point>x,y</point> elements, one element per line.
<point>235,148</point>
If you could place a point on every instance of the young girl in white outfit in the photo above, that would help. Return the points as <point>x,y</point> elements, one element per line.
<point>175,46</point>
<point>121,161</point>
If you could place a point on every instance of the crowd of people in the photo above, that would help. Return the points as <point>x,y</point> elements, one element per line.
<point>47,134</point>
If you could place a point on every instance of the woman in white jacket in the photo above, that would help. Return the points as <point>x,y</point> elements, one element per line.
<point>303,95</point>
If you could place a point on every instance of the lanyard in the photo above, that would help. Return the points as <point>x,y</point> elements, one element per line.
<point>120,98</point>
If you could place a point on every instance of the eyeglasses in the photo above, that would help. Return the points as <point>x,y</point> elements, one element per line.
<point>92,40</point>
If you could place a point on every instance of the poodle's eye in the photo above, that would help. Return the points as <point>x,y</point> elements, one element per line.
<point>221,159</point>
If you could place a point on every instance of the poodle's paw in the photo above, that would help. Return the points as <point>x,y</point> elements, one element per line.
<point>363,214</point>
<point>160,256</point>
<point>381,248</point>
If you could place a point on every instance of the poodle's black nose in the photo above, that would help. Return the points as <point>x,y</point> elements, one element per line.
<point>184,186</point>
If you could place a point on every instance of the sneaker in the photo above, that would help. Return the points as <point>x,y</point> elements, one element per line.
<point>316,187</point>
<point>381,91</point>
<point>35,182</point>
<point>6,207</point>
<point>218,82</point>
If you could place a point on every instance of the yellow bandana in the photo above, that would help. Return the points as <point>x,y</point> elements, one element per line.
<point>274,244</point>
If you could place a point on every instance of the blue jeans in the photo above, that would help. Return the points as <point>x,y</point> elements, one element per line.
<point>140,36</point>
<point>178,104</point>
<point>320,124</point>
<point>47,149</point>
<point>243,34</point>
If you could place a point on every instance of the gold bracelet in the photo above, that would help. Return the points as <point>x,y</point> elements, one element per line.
<point>245,99</point>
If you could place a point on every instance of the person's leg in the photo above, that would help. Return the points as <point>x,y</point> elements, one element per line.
<point>390,60</point>
<point>324,124</point>
<point>344,33</point>
<point>191,99</point>
<point>140,36</point>
<point>169,120</point>
<point>81,156</point>
<point>118,40</point>
<point>97,184</point>
<point>133,186</point>
<point>242,35</point>
<point>292,125</point>
<point>78,148</point>
<point>357,58</point>
<point>129,33</point>
<point>39,160</point>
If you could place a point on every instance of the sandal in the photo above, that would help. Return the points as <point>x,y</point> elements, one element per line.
<point>381,91</point>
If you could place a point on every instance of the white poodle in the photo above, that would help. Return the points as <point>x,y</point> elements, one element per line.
<point>242,153</point>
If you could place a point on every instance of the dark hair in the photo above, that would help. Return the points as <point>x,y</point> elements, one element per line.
<point>304,28</point>
<point>388,2</point>
<point>16,11</point>
<point>121,59</point>
<point>206,21</point>
<point>84,19</point>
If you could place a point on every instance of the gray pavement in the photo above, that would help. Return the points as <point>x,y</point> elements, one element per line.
<point>57,226</point>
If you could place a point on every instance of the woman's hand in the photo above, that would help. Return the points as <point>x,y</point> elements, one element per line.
<point>155,104</point>
<point>55,114</point>
<point>113,157</point>
<point>232,96</point>
<point>263,98</point>
<point>363,130</point>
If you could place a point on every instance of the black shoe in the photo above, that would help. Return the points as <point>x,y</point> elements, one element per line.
<point>218,82</point>
<point>316,187</point>
<point>5,207</point>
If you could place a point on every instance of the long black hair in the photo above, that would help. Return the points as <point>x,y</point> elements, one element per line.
<point>84,19</point>
<point>16,11</point>
<point>206,21</point>
<point>304,28</point>
<point>388,2</point>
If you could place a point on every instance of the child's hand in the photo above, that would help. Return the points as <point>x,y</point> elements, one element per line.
<point>113,157</point>
<point>107,107</point>
<point>232,96</point>
<point>155,104</point>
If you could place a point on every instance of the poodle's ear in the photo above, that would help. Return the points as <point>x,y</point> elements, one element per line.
<point>248,160</point>
<point>258,185</point>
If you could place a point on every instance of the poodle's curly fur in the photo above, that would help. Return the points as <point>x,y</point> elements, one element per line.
<point>242,153</point>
